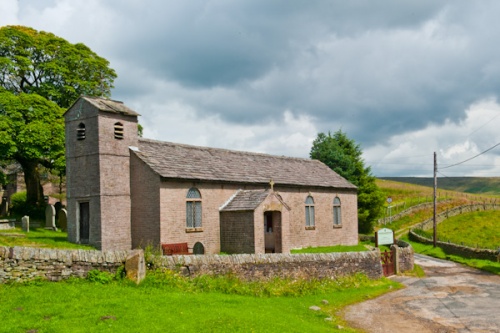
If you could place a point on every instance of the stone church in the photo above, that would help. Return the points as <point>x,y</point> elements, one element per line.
<point>125,192</point>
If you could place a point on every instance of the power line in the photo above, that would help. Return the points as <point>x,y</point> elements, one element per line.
<point>486,123</point>
<point>473,157</point>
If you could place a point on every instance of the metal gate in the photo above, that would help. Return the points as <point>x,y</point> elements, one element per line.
<point>387,259</point>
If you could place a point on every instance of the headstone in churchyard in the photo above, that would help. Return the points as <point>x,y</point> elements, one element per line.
<point>4,207</point>
<point>62,220</point>
<point>50,217</point>
<point>135,266</point>
<point>25,223</point>
<point>58,206</point>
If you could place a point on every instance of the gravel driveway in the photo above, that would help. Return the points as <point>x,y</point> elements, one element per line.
<point>451,298</point>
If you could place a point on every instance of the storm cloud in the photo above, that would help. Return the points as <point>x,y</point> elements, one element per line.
<point>401,79</point>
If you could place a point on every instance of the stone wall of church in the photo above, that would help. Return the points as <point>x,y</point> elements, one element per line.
<point>237,232</point>
<point>295,234</point>
<point>145,197</point>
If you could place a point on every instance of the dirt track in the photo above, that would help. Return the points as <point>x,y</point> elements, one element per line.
<point>451,298</point>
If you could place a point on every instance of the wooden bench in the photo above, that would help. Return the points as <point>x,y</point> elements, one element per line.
<point>177,248</point>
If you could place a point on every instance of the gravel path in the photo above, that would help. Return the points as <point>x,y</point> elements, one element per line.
<point>451,298</point>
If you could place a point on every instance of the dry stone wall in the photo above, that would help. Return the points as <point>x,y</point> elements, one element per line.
<point>405,256</point>
<point>19,264</point>
<point>269,266</point>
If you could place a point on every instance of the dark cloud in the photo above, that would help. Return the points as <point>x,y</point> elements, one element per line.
<point>377,69</point>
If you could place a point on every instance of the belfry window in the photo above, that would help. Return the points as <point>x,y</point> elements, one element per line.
<point>119,131</point>
<point>80,132</point>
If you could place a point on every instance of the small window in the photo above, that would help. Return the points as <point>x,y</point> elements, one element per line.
<point>119,131</point>
<point>337,216</point>
<point>310,212</point>
<point>193,208</point>
<point>80,132</point>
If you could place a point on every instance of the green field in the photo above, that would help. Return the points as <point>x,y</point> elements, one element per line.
<point>38,237</point>
<point>170,303</point>
<point>476,229</point>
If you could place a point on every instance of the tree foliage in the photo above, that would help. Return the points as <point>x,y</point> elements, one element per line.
<point>344,157</point>
<point>39,62</point>
<point>40,74</point>
<point>31,133</point>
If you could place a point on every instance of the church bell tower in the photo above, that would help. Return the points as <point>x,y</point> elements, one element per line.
<point>99,133</point>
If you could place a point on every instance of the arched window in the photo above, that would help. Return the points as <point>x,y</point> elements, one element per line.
<point>193,208</point>
<point>337,216</point>
<point>119,131</point>
<point>80,132</point>
<point>309,211</point>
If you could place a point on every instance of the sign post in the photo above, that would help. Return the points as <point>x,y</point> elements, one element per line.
<point>389,200</point>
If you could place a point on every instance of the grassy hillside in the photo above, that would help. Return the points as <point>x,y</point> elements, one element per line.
<point>476,229</point>
<point>476,185</point>
<point>407,195</point>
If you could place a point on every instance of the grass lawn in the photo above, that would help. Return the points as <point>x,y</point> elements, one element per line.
<point>362,246</point>
<point>338,248</point>
<point>38,237</point>
<point>167,303</point>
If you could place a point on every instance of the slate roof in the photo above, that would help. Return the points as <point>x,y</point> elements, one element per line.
<point>194,163</point>
<point>245,200</point>
<point>108,105</point>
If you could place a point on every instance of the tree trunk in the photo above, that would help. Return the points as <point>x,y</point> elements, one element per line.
<point>34,189</point>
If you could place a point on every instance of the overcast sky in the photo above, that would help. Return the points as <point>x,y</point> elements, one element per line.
<point>403,79</point>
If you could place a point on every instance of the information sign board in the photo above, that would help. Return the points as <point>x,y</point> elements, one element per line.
<point>384,237</point>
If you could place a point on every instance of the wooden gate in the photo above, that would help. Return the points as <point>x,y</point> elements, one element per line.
<point>387,259</point>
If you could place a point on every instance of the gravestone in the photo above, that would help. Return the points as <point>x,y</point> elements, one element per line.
<point>25,223</point>
<point>50,217</point>
<point>58,206</point>
<point>4,207</point>
<point>62,220</point>
<point>135,266</point>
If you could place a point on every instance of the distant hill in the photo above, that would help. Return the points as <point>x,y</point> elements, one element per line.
<point>476,185</point>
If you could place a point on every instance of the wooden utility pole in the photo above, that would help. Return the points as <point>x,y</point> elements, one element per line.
<point>435,200</point>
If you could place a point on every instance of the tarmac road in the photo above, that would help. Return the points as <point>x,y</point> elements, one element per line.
<point>450,298</point>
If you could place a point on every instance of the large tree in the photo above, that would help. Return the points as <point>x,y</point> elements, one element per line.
<point>31,133</point>
<point>41,73</point>
<point>344,157</point>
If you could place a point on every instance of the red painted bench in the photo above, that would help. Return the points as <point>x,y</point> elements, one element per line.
<point>177,248</point>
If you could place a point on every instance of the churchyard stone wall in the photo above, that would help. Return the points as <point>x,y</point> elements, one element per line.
<point>23,263</point>
<point>404,255</point>
<point>28,263</point>
<point>269,266</point>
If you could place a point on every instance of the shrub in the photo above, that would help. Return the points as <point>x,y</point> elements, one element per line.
<point>19,207</point>
<point>100,277</point>
<point>18,203</point>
